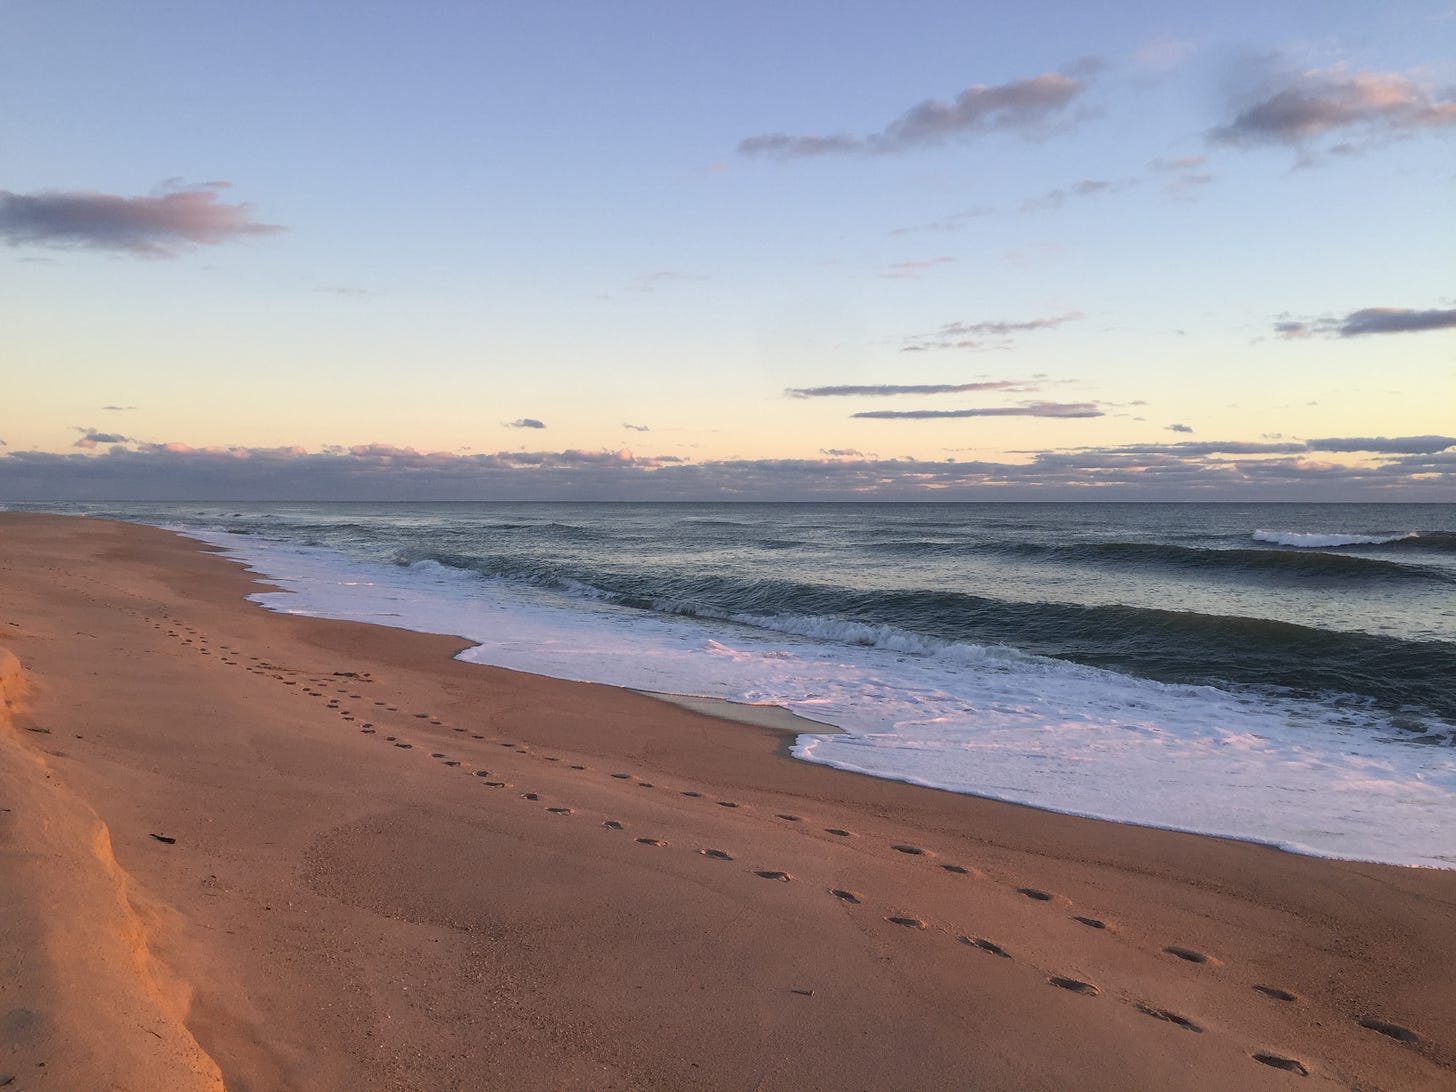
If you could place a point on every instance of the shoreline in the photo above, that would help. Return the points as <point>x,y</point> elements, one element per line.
<point>796,725</point>
<point>321,870</point>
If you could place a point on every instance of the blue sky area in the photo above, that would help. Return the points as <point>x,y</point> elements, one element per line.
<point>688,251</point>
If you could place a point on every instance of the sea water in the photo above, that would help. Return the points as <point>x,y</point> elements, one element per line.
<point>1277,673</point>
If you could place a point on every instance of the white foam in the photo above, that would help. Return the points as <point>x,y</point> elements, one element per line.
<point>1314,539</point>
<point>1299,774</point>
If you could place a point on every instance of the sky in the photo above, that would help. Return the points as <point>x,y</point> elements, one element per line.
<point>681,251</point>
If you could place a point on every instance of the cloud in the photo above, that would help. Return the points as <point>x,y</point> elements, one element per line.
<point>648,282</point>
<point>968,335</point>
<point>837,452</point>
<point>1369,320</point>
<point>160,226</point>
<point>118,409</point>
<point>954,222</point>
<point>887,389</point>
<point>1294,109</point>
<point>1184,173</point>
<point>1395,320</point>
<point>1026,409</point>
<point>525,422</point>
<point>636,428</point>
<point>1403,445</point>
<point>1232,470</point>
<point>1182,163</point>
<point>1025,105</point>
<point>90,438</point>
<point>911,270</point>
<point>1179,428</point>
<point>1088,187</point>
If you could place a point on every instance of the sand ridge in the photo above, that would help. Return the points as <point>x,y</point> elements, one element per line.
<point>393,868</point>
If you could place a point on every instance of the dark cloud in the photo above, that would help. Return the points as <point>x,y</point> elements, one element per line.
<point>91,437</point>
<point>1213,471</point>
<point>886,389</point>
<point>1395,320</point>
<point>1179,428</point>
<point>1027,409</point>
<point>970,335</point>
<point>636,428</point>
<point>525,422</point>
<point>159,226</point>
<point>1294,109</point>
<point>1020,105</point>
<point>1403,445</point>
<point>1369,320</point>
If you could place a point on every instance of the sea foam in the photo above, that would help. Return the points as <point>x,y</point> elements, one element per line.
<point>1316,539</point>
<point>1308,775</point>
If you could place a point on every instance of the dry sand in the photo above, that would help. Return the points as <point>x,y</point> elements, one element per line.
<point>395,870</point>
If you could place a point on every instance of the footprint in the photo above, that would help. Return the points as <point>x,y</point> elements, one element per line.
<point>453,762</point>
<point>1395,1031</point>
<point>421,716</point>
<point>574,767</point>
<point>560,811</point>
<point>959,870</point>
<point>1170,1017</point>
<point>622,776</point>
<point>482,773</point>
<point>1189,955</point>
<point>790,818</point>
<point>645,785</point>
<point>1093,923</point>
<point>404,746</point>
<point>1276,993</point>
<point>651,841</point>
<point>914,851</point>
<point>837,832</point>
<point>367,731</point>
<point>1033,893</point>
<point>716,854</point>
<point>1075,985</point>
<point>844,896</point>
<point>986,946</point>
<point>612,824</point>
<point>909,923</point>
<point>530,796</point>
<point>689,792</point>
<point>1280,1062</point>
<point>726,804</point>
<point>437,754</point>
<point>773,874</point>
<point>498,784</point>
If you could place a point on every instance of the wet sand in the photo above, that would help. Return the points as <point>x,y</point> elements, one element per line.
<point>257,851</point>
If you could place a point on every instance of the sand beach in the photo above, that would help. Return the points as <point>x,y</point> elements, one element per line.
<point>245,850</point>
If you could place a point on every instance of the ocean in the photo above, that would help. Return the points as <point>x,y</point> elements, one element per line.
<point>1278,673</point>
